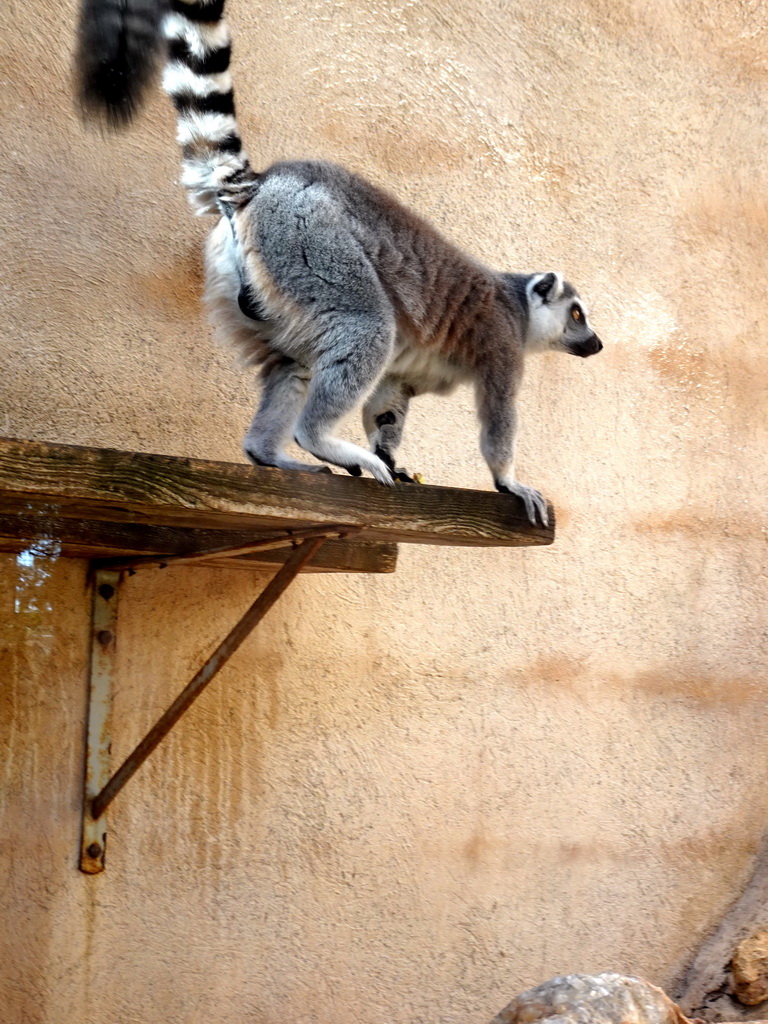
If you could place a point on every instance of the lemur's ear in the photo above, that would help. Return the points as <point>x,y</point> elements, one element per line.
<point>548,286</point>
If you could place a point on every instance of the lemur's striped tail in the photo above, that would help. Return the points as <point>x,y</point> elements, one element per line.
<point>215,168</point>
<point>118,49</point>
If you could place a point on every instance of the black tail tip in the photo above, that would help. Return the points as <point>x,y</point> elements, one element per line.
<point>107,101</point>
<point>118,49</point>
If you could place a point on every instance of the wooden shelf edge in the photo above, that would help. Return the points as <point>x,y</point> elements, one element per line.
<point>146,496</point>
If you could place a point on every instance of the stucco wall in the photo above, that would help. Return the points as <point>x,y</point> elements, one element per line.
<point>407,797</point>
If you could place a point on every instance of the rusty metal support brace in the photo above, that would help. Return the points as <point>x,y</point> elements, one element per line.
<point>278,539</point>
<point>100,793</point>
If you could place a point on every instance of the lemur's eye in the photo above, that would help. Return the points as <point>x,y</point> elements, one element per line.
<point>576,314</point>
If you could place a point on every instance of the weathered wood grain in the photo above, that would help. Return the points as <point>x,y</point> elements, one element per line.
<point>158,491</point>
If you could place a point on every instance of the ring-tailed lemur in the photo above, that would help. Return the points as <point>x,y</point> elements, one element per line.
<point>335,290</point>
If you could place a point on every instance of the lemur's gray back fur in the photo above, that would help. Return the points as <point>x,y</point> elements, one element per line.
<point>338,292</point>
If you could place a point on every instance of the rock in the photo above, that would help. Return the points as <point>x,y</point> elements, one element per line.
<point>592,999</point>
<point>749,969</point>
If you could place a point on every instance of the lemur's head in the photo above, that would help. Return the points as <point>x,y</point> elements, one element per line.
<point>557,318</point>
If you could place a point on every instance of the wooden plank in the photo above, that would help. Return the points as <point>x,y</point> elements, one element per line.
<point>104,485</point>
<point>87,538</point>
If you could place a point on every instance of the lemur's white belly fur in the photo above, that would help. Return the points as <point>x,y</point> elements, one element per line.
<point>424,370</point>
<point>222,287</point>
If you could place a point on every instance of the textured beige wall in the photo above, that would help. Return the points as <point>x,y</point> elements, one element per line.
<point>407,797</point>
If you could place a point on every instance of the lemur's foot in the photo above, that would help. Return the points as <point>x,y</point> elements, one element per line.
<point>534,501</point>
<point>400,475</point>
<point>282,462</point>
<point>357,471</point>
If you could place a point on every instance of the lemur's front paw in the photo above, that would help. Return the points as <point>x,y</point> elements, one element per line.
<point>535,505</point>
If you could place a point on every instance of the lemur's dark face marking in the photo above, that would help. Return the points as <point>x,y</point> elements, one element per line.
<point>558,318</point>
<point>578,337</point>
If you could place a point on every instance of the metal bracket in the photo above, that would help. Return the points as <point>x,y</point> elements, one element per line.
<point>100,789</point>
<point>102,671</point>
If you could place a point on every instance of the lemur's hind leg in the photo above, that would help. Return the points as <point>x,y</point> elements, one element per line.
<point>356,347</point>
<point>284,389</point>
<point>384,418</point>
<point>344,320</point>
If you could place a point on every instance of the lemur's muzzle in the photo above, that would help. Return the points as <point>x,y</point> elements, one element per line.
<point>590,347</point>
